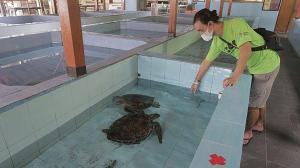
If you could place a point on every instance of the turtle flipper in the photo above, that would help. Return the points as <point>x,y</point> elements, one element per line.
<point>158,131</point>
<point>156,104</point>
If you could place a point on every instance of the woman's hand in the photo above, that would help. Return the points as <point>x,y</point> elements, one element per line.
<point>228,82</point>
<point>195,87</point>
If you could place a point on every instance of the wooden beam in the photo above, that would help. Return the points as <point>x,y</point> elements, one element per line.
<point>207,4</point>
<point>172,18</point>
<point>229,7</point>
<point>69,14</point>
<point>297,10</point>
<point>221,8</point>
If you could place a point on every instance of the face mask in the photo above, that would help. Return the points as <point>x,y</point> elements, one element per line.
<point>207,36</point>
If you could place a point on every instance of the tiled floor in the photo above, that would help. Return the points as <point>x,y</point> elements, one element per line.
<point>279,145</point>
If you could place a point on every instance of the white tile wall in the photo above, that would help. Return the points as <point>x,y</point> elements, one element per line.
<point>188,72</point>
<point>17,128</point>
<point>80,95</point>
<point>95,86</point>
<point>62,98</point>
<point>144,67</point>
<point>4,154</point>
<point>158,69</point>
<point>26,123</point>
<point>219,75</point>
<point>40,116</point>
<point>180,73</point>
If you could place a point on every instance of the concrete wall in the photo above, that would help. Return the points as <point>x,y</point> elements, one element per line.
<point>266,19</point>
<point>29,128</point>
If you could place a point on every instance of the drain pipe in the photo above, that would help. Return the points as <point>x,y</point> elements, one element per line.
<point>172,18</point>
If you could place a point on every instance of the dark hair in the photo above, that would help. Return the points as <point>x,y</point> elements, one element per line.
<point>205,15</point>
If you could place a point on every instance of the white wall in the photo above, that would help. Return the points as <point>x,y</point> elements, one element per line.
<point>131,5</point>
<point>266,19</point>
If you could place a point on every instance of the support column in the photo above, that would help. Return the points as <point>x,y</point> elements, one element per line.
<point>221,8</point>
<point>97,5</point>
<point>2,8</point>
<point>172,18</point>
<point>106,4</point>
<point>69,13</point>
<point>229,7</point>
<point>55,7</point>
<point>207,4</point>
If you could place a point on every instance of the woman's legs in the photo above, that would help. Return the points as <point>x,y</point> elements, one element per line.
<point>252,119</point>
<point>259,126</point>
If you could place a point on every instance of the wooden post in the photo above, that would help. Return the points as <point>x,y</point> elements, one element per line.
<point>207,4</point>
<point>297,10</point>
<point>3,10</point>
<point>106,4</point>
<point>55,7</point>
<point>221,8</point>
<point>97,5</point>
<point>172,18</point>
<point>69,13</point>
<point>42,7</point>
<point>229,7</point>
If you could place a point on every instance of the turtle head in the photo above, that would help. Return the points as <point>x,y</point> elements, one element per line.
<point>105,131</point>
<point>118,100</point>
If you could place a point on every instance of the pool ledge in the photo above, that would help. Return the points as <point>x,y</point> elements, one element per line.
<point>223,137</point>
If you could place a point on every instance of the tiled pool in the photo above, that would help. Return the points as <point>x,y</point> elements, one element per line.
<point>62,124</point>
<point>136,29</point>
<point>38,65</point>
<point>183,118</point>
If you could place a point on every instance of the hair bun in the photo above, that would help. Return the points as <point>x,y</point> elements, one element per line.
<point>214,16</point>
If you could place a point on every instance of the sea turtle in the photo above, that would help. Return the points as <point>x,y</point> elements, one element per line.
<point>135,102</point>
<point>134,128</point>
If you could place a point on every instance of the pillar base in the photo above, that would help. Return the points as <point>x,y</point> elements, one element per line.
<point>76,72</point>
<point>171,35</point>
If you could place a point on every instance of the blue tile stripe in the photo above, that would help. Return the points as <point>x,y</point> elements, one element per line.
<point>224,133</point>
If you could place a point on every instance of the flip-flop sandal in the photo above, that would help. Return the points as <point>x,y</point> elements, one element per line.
<point>246,141</point>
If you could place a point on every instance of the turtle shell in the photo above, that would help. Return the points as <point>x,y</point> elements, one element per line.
<point>130,129</point>
<point>136,102</point>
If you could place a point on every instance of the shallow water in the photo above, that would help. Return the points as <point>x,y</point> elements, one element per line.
<point>183,118</point>
<point>138,33</point>
<point>40,64</point>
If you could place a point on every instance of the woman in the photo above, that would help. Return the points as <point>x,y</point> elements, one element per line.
<point>238,39</point>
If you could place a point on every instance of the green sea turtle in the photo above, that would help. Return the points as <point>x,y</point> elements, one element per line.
<point>134,128</point>
<point>135,102</point>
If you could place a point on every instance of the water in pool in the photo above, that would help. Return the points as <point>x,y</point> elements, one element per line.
<point>183,118</point>
<point>138,33</point>
<point>199,49</point>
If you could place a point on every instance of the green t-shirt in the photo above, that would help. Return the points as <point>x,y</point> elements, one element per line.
<point>238,32</point>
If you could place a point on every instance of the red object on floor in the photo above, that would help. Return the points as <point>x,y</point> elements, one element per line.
<point>217,160</point>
